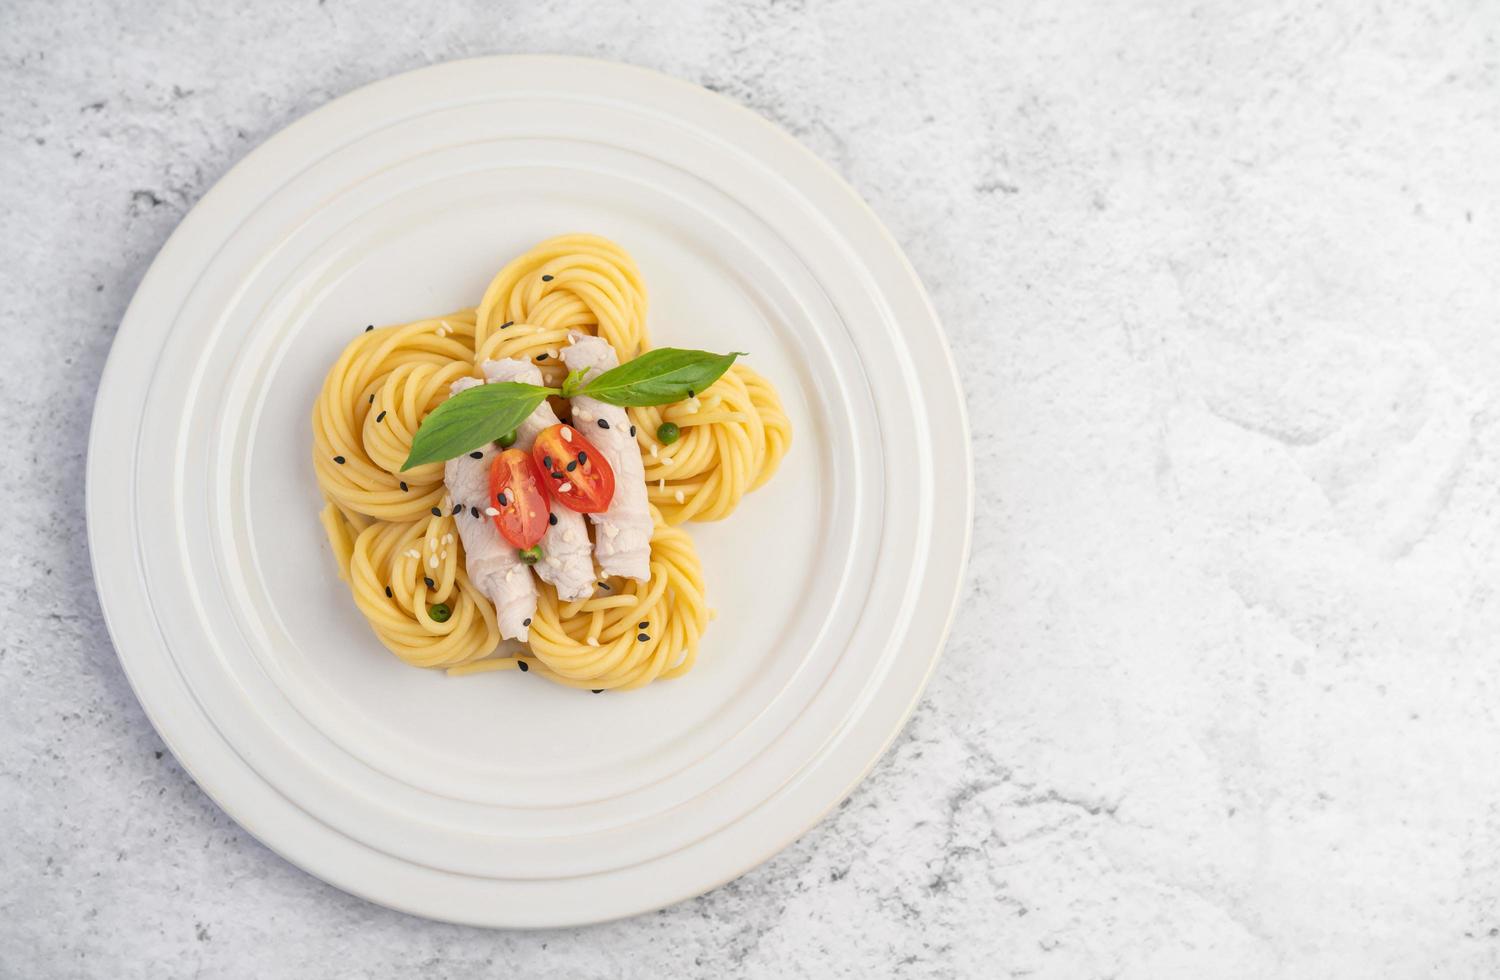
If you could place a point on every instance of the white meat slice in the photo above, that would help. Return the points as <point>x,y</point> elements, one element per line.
<point>622,536</point>
<point>494,566</point>
<point>567,556</point>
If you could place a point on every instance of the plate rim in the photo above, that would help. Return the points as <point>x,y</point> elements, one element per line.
<point>112,386</point>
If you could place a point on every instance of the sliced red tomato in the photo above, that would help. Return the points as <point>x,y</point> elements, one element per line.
<point>518,497</point>
<point>576,473</point>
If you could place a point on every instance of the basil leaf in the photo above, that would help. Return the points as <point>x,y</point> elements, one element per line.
<point>573,382</point>
<point>472,418</point>
<point>659,377</point>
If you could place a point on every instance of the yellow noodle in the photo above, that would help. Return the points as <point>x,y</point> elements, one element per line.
<point>732,438</point>
<point>382,557</point>
<point>392,533</point>
<point>572,282</point>
<point>395,375</point>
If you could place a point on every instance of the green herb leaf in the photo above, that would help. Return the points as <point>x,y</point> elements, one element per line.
<point>573,382</point>
<point>659,377</point>
<point>472,418</point>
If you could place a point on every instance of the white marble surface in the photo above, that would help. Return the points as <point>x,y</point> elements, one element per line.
<point>1221,699</point>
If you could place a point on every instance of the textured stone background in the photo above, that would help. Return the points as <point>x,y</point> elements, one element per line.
<point>1222,282</point>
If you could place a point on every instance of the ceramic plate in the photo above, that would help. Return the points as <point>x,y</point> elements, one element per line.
<point>500,799</point>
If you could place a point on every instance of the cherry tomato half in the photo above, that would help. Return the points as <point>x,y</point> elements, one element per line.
<point>516,491</point>
<point>576,473</point>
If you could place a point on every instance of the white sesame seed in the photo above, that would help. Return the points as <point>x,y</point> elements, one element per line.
<point>593,641</point>
<point>432,562</point>
<point>414,553</point>
<point>444,555</point>
<point>491,512</point>
<point>666,461</point>
<point>678,496</point>
<point>654,453</point>
<point>567,434</point>
<point>564,488</point>
<point>661,484</point>
<point>447,539</point>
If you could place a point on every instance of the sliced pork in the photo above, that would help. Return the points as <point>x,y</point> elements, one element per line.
<point>622,534</point>
<point>567,555</point>
<point>493,564</point>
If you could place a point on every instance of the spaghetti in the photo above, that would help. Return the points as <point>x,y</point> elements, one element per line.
<point>392,533</point>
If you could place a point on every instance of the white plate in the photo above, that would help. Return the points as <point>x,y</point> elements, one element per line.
<point>500,799</point>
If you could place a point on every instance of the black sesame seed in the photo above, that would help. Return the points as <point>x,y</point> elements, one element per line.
<point>500,499</point>
<point>369,328</point>
<point>542,356</point>
<point>546,462</point>
<point>642,637</point>
<point>372,398</point>
<point>522,665</point>
<point>604,586</point>
<point>477,454</point>
<point>474,513</point>
<point>632,432</point>
<point>436,512</point>
<point>604,423</point>
<point>458,509</point>
<point>526,621</point>
<point>556,475</point>
<point>388,592</point>
<point>507,324</point>
<point>690,393</point>
<point>642,625</point>
<point>339,460</point>
<point>552,519</point>
<point>582,458</point>
<point>380,417</point>
<point>597,690</point>
<point>546,279</point>
<point>430,583</point>
<point>404,487</point>
<point>572,465</point>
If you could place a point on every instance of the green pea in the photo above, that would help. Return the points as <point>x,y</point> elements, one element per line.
<point>506,441</point>
<point>439,612</point>
<point>531,555</point>
<point>667,433</point>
